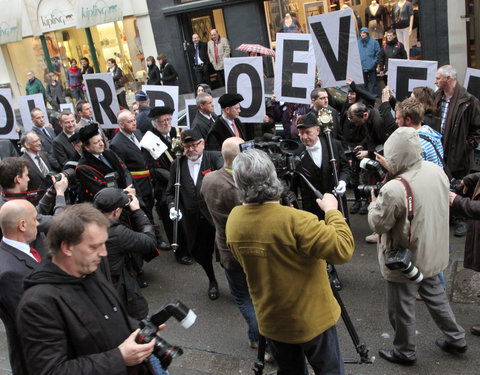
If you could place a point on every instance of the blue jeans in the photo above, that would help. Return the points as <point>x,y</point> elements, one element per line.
<point>371,76</point>
<point>77,93</point>
<point>237,282</point>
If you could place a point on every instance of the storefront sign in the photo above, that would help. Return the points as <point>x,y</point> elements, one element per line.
<point>192,110</point>
<point>405,75</point>
<point>26,104</point>
<point>96,12</point>
<point>7,115</point>
<point>472,82</point>
<point>163,96</point>
<point>55,15</point>
<point>336,48</point>
<point>10,22</point>
<point>244,76</point>
<point>295,68</point>
<point>101,95</point>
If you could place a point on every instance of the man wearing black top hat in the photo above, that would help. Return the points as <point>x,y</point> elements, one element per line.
<point>227,125</point>
<point>98,167</point>
<point>316,165</point>
<point>197,223</point>
<point>161,119</point>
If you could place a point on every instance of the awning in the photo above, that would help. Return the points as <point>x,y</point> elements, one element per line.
<point>195,6</point>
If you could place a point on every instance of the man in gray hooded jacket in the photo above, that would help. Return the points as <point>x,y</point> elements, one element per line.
<point>426,236</point>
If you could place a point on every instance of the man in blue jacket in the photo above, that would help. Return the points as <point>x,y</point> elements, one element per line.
<point>369,52</point>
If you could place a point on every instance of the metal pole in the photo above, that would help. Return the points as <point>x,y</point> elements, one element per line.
<point>93,51</point>
<point>46,54</point>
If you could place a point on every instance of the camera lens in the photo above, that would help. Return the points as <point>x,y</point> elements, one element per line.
<point>166,352</point>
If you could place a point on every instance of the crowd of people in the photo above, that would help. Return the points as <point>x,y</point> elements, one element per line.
<point>80,211</point>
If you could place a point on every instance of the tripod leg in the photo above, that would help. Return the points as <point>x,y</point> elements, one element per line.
<point>260,362</point>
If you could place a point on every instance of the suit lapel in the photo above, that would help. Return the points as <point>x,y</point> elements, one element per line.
<point>19,255</point>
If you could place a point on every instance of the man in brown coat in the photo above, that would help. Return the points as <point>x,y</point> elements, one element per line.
<point>470,208</point>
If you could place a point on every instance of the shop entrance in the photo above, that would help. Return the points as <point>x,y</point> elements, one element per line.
<point>472,8</point>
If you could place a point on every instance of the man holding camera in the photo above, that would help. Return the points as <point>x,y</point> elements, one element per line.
<point>283,251</point>
<point>412,216</point>
<point>70,319</point>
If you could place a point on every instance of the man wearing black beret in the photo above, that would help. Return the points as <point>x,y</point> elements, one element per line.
<point>227,125</point>
<point>197,224</point>
<point>96,163</point>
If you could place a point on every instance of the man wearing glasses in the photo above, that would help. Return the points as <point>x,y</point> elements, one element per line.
<point>195,219</point>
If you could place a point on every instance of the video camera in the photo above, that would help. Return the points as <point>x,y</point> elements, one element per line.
<point>164,351</point>
<point>281,152</point>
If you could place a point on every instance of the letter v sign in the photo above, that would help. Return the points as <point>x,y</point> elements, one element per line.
<point>335,68</point>
<point>338,67</point>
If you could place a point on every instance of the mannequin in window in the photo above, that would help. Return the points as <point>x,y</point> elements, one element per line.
<point>290,24</point>
<point>357,19</point>
<point>403,22</point>
<point>376,19</point>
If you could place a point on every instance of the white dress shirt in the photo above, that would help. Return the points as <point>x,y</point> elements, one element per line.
<point>315,153</point>
<point>194,168</point>
<point>20,246</point>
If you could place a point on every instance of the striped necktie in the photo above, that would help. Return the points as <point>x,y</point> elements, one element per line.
<point>42,167</point>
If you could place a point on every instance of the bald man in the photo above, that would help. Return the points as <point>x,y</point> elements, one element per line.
<point>198,56</point>
<point>18,221</point>
<point>221,195</point>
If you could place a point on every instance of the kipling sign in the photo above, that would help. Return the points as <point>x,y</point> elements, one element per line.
<point>55,15</point>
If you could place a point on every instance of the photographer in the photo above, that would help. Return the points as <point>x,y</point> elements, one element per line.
<point>14,181</point>
<point>283,252</point>
<point>70,320</point>
<point>424,232</point>
<point>470,209</point>
<point>124,244</point>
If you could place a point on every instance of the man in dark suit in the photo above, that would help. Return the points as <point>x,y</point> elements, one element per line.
<point>126,144</point>
<point>38,165</point>
<point>197,223</point>
<point>46,134</point>
<point>315,158</point>
<point>159,166</point>
<point>227,125</point>
<point>63,150</point>
<point>205,117</point>
<point>98,167</point>
<point>198,58</point>
<point>18,221</point>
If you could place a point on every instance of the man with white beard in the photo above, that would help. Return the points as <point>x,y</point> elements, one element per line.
<point>197,224</point>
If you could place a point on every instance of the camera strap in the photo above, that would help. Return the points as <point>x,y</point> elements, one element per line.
<point>410,205</point>
<point>445,167</point>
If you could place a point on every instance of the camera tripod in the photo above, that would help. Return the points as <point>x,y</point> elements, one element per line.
<point>335,285</point>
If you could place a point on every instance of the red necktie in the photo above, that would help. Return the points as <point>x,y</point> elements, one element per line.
<point>235,129</point>
<point>35,254</point>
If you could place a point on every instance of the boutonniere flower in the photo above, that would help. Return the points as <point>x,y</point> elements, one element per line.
<point>207,171</point>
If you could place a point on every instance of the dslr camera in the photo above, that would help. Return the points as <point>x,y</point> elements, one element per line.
<point>400,258</point>
<point>164,351</point>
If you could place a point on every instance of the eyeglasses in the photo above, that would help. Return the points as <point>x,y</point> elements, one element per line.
<point>165,121</point>
<point>192,145</point>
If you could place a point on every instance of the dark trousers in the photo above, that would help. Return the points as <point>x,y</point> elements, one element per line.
<point>200,74</point>
<point>371,76</point>
<point>323,354</point>
<point>202,246</point>
<point>221,78</point>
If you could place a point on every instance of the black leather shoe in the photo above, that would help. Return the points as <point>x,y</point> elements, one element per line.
<point>355,207</point>
<point>475,330</point>
<point>185,260</point>
<point>164,246</point>
<point>213,290</point>
<point>450,348</point>
<point>390,356</point>
<point>461,229</point>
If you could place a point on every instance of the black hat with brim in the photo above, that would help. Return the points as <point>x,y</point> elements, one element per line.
<point>307,121</point>
<point>160,111</point>
<point>190,135</point>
